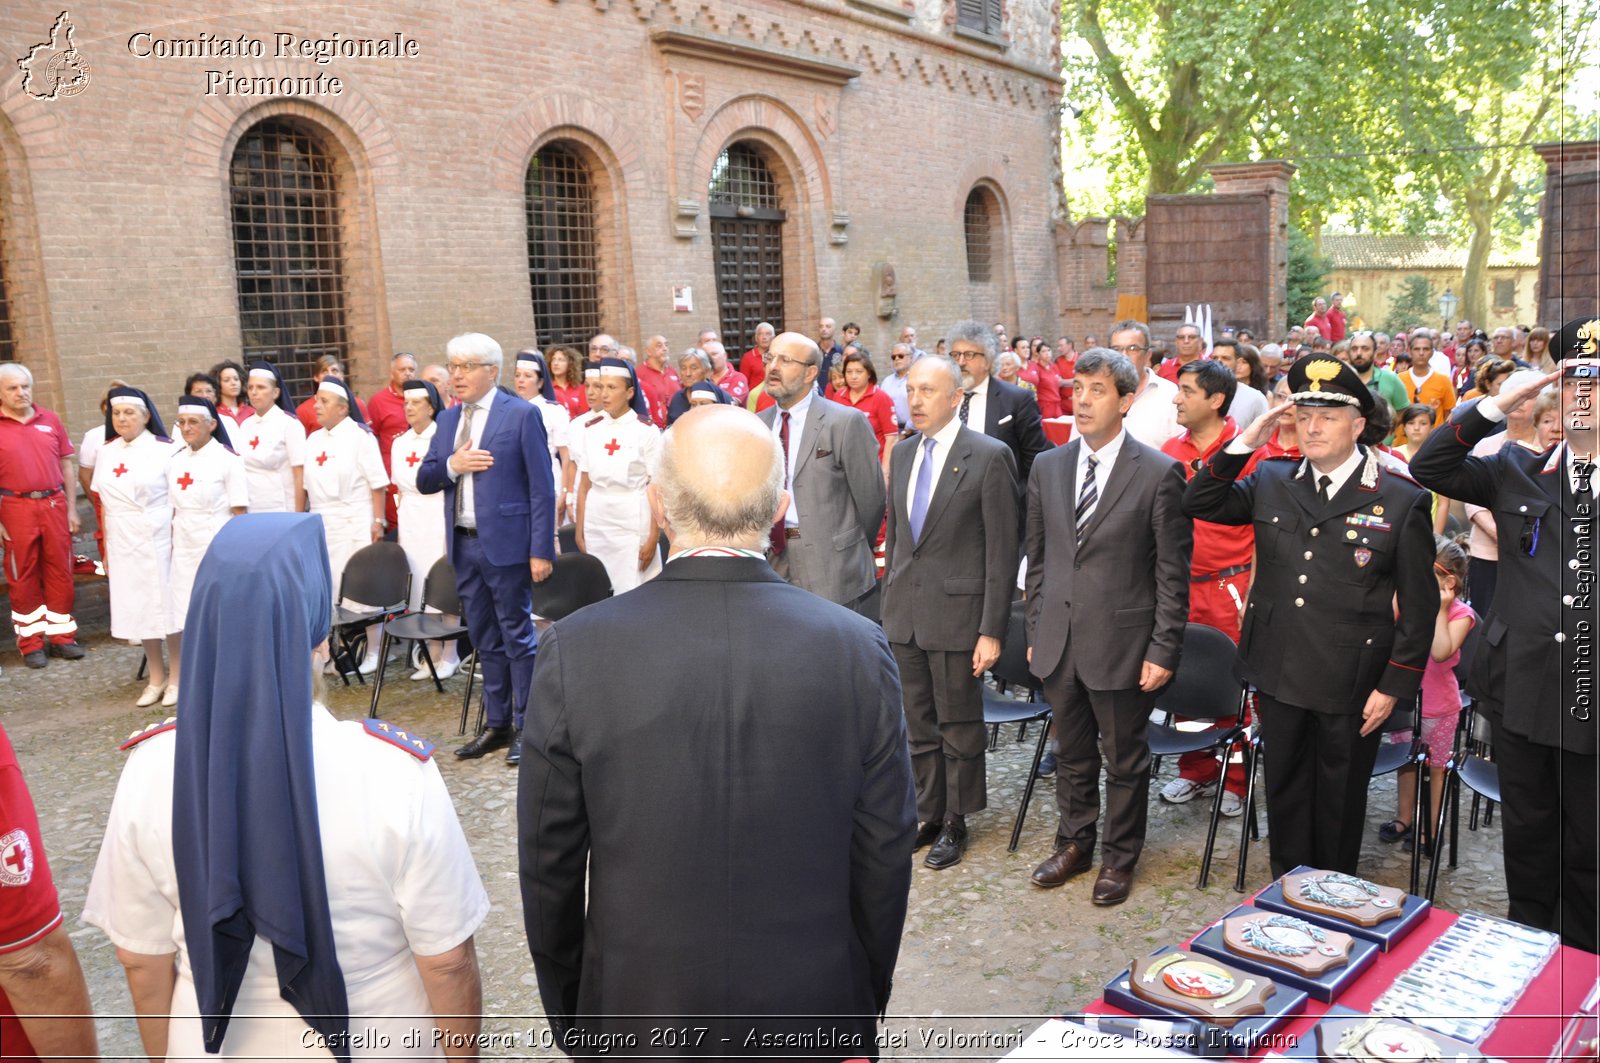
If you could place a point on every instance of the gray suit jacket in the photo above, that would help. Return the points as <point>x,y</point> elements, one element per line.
<point>957,581</point>
<point>1123,598</point>
<point>838,487</point>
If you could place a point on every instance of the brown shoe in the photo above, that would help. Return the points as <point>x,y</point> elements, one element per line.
<point>1068,860</point>
<point>1112,886</point>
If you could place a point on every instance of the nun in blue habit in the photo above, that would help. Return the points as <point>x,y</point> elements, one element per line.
<point>280,884</point>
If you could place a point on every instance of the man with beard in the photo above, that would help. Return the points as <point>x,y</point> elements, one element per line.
<point>1363,354</point>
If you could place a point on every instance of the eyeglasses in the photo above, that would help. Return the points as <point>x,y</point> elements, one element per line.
<point>1132,348</point>
<point>784,359</point>
<point>897,357</point>
<point>465,367</point>
<point>601,347</point>
<point>1188,335</point>
<point>962,356</point>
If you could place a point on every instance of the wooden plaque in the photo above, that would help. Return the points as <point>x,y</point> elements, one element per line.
<point>1196,985</point>
<point>1284,941</point>
<point>1380,1039</point>
<point>1341,896</point>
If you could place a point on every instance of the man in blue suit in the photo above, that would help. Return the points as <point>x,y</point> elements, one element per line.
<point>490,458</point>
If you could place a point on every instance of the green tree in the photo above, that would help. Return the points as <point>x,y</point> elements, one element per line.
<point>1307,272</point>
<point>1413,303</point>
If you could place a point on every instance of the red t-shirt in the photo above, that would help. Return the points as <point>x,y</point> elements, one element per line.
<point>879,409</point>
<point>753,367</point>
<point>307,412</point>
<point>31,451</point>
<point>29,907</point>
<point>575,399</point>
<point>1336,324</point>
<point>1048,391</point>
<point>659,386</point>
<point>1216,546</point>
<point>1324,326</point>
<point>734,383</point>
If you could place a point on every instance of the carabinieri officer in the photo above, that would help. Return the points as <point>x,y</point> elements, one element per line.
<point>1535,670</point>
<point>1338,537</point>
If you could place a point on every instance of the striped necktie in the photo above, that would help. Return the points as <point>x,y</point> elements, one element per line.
<point>1086,499</point>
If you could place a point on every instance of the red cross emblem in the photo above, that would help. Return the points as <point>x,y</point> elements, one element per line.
<point>254,442</point>
<point>16,859</point>
<point>184,481</point>
<point>119,470</point>
<point>322,458</point>
<point>612,447</point>
<point>413,459</point>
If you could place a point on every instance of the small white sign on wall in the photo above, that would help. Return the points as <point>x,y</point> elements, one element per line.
<point>682,299</point>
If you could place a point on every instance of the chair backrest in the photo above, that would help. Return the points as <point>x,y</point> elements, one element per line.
<point>567,537</point>
<point>1403,718</point>
<point>1205,686</point>
<point>575,580</point>
<point>377,575</point>
<point>439,588</point>
<point>1012,667</point>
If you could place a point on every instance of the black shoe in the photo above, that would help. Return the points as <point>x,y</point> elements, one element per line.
<point>928,834</point>
<point>493,738</point>
<point>67,651</point>
<point>948,850</point>
<point>514,754</point>
<point>36,659</point>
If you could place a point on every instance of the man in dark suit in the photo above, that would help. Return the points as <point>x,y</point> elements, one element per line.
<point>1535,663</point>
<point>745,830</point>
<point>1339,537</point>
<point>1108,595</point>
<point>834,480</point>
<point>952,571</point>
<point>989,405</point>
<point>490,459</point>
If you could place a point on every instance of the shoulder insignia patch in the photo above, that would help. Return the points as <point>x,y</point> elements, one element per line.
<point>1286,458</point>
<point>416,745</point>
<point>154,729</point>
<point>596,419</point>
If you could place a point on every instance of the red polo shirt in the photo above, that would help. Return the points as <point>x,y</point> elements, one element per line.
<point>753,367</point>
<point>31,451</point>
<point>29,908</point>
<point>734,383</point>
<point>659,386</point>
<point>1216,546</point>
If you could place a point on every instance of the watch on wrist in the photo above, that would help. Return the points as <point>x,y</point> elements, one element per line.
<point>381,522</point>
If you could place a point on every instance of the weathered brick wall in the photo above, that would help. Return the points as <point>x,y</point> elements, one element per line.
<point>1569,272</point>
<point>118,240</point>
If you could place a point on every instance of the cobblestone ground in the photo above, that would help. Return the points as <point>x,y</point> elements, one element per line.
<point>984,953</point>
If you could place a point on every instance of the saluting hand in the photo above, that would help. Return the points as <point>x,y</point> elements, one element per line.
<point>985,654</point>
<point>1510,398</point>
<point>1379,706</point>
<point>1260,430</point>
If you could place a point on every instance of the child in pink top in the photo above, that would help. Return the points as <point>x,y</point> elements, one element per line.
<point>1441,693</point>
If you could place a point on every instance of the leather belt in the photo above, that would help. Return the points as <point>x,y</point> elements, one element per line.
<point>791,533</point>
<point>470,533</point>
<point>31,494</point>
<point>1224,574</point>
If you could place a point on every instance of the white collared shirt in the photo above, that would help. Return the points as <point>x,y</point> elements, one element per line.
<point>797,427</point>
<point>978,408</point>
<point>1105,459</point>
<point>469,514</point>
<point>943,440</point>
<point>1153,419</point>
<point>1338,476</point>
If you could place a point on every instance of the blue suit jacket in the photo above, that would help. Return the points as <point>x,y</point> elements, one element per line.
<point>515,498</point>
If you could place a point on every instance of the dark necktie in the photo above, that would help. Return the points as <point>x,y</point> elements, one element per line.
<point>463,439</point>
<point>1323,492</point>
<point>1086,499</point>
<point>966,404</point>
<point>779,534</point>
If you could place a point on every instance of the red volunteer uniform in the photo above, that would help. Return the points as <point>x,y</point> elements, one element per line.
<point>33,509</point>
<point>754,367</point>
<point>386,416</point>
<point>29,907</point>
<point>659,386</point>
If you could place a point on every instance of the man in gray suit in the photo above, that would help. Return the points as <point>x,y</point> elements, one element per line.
<point>823,544</point>
<point>1108,594</point>
<point>952,556</point>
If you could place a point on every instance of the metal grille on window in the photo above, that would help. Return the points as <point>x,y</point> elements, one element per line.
<point>8,345</point>
<point>979,236</point>
<point>287,250</point>
<point>979,16</point>
<point>747,219</point>
<point>562,261</point>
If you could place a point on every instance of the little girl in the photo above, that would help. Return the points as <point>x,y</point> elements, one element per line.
<point>1441,693</point>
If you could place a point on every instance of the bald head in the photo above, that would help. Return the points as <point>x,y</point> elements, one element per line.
<point>720,479</point>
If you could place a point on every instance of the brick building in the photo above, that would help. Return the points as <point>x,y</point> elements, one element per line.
<point>185,182</point>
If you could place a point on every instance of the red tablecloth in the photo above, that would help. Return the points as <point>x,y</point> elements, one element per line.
<point>1531,1028</point>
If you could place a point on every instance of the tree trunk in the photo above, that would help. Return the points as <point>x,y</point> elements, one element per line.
<point>1474,297</point>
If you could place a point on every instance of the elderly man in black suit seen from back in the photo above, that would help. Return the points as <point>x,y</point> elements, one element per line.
<point>952,572</point>
<point>744,832</point>
<point>1108,595</point>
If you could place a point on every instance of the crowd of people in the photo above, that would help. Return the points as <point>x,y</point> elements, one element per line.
<point>1293,495</point>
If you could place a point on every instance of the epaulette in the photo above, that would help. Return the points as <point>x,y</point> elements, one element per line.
<point>417,746</point>
<point>1406,476</point>
<point>596,419</point>
<point>154,729</point>
<point>1280,457</point>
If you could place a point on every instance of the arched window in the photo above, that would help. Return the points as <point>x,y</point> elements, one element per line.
<point>747,219</point>
<point>287,251</point>
<point>978,219</point>
<point>562,256</point>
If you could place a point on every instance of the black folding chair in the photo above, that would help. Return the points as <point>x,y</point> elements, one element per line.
<point>438,592</point>
<point>1392,756</point>
<point>377,583</point>
<point>1204,688</point>
<point>1011,672</point>
<point>1471,762</point>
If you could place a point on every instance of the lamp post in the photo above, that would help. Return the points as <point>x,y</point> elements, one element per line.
<point>1447,308</point>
